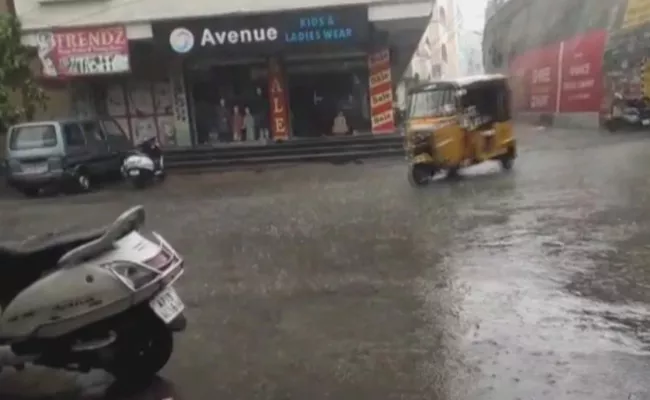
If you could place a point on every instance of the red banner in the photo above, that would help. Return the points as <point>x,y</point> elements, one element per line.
<point>84,51</point>
<point>542,77</point>
<point>381,93</point>
<point>541,66</point>
<point>582,67</point>
<point>278,100</point>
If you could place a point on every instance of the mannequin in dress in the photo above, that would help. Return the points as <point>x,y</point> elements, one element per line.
<point>261,113</point>
<point>223,123</point>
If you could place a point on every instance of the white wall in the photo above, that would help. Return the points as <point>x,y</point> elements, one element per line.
<point>470,53</point>
<point>41,14</point>
<point>428,56</point>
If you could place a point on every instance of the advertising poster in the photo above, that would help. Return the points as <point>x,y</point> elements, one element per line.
<point>381,93</point>
<point>163,100</point>
<point>278,100</point>
<point>143,129</point>
<point>582,65</point>
<point>115,101</point>
<point>140,99</point>
<point>166,130</point>
<point>543,78</point>
<point>84,51</point>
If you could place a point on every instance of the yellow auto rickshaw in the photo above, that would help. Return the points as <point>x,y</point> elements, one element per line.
<point>458,123</point>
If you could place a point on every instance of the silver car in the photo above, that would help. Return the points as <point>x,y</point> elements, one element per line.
<point>67,154</point>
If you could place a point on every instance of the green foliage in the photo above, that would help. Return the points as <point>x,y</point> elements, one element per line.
<point>20,94</point>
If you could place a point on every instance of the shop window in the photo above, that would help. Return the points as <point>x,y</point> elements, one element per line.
<point>141,108</point>
<point>73,135</point>
<point>443,50</point>
<point>230,103</point>
<point>443,16</point>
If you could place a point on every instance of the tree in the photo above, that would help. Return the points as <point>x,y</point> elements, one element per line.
<point>16,75</point>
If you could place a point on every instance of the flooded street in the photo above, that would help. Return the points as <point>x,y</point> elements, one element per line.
<point>343,282</point>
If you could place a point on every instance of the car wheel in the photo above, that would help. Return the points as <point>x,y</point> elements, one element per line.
<point>83,181</point>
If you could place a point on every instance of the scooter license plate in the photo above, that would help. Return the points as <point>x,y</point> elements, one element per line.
<point>134,172</point>
<point>167,305</point>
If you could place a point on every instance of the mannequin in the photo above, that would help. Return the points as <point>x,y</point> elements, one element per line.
<point>223,122</point>
<point>237,124</point>
<point>249,125</point>
<point>261,110</point>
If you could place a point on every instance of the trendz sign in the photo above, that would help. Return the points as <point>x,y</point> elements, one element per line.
<point>84,51</point>
<point>266,33</point>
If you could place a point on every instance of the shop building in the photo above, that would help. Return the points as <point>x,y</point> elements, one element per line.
<point>200,75</point>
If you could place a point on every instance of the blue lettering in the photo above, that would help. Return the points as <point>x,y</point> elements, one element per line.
<point>318,28</point>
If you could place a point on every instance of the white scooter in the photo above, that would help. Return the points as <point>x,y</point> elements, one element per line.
<point>145,165</point>
<point>94,300</point>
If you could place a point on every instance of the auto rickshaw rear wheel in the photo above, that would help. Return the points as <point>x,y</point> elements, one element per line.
<point>507,160</point>
<point>421,174</point>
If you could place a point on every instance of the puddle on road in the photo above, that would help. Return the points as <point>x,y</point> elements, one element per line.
<point>554,300</point>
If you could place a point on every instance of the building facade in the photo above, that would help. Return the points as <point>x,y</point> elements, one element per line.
<point>470,53</point>
<point>567,58</point>
<point>436,56</point>
<point>212,73</point>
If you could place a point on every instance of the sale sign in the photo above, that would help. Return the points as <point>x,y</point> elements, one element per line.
<point>381,93</point>
<point>84,51</point>
<point>543,78</point>
<point>563,77</point>
<point>278,100</point>
<point>582,64</point>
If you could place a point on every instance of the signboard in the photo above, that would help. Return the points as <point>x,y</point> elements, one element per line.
<point>582,66</point>
<point>381,93</point>
<point>278,100</point>
<point>563,77</point>
<point>538,74</point>
<point>266,34</point>
<point>84,51</point>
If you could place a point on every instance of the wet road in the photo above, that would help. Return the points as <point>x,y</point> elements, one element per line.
<point>343,282</point>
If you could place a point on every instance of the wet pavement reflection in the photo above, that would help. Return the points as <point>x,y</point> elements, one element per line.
<point>343,282</point>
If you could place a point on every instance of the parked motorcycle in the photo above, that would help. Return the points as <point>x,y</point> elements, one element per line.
<point>145,165</point>
<point>92,300</point>
<point>629,115</point>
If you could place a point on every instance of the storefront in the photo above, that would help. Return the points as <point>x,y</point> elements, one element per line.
<point>278,76</point>
<point>107,74</point>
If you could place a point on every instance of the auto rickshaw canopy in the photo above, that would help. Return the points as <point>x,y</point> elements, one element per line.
<point>467,83</point>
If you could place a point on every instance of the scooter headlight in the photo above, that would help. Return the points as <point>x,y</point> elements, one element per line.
<point>136,276</point>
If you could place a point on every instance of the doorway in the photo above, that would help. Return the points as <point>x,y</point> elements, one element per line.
<point>316,97</point>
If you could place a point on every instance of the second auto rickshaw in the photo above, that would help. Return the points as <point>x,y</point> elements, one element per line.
<point>458,123</point>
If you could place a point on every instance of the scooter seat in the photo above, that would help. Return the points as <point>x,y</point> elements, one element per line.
<point>23,263</point>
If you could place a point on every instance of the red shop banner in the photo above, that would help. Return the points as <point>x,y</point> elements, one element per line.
<point>542,78</point>
<point>84,51</point>
<point>582,66</point>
